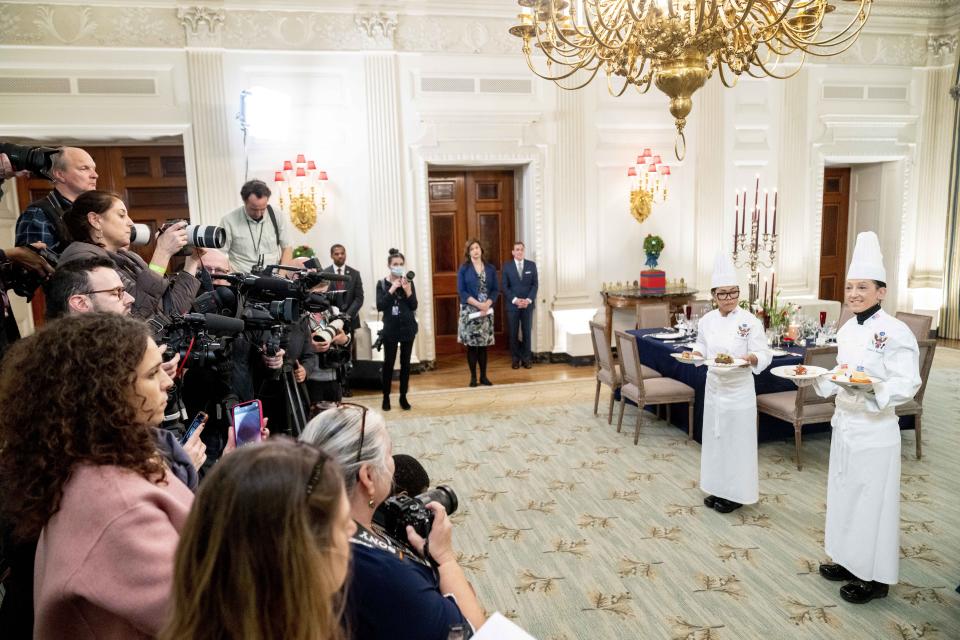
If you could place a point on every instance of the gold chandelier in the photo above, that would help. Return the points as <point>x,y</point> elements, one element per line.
<point>677,44</point>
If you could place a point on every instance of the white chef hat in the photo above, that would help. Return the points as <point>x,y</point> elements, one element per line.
<point>867,262</point>
<point>724,274</point>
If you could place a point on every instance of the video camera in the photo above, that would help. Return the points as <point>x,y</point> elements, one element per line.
<point>25,282</point>
<point>397,512</point>
<point>200,338</point>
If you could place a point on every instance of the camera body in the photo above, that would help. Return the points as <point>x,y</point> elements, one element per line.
<point>36,160</point>
<point>398,512</point>
<point>200,339</point>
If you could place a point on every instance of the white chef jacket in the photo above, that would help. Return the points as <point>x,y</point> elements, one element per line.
<point>862,532</point>
<point>728,454</point>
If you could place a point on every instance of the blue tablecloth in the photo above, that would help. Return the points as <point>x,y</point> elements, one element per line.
<point>656,354</point>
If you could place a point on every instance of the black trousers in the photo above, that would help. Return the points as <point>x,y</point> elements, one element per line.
<point>389,355</point>
<point>519,321</point>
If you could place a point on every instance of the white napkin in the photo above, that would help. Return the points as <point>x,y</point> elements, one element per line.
<point>499,628</point>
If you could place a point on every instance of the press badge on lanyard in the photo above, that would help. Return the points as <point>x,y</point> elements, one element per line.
<point>396,310</point>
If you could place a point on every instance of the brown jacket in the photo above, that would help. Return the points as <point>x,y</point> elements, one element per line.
<point>152,293</point>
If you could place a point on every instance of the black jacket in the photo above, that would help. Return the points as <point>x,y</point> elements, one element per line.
<point>347,296</point>
<point>403,326</point>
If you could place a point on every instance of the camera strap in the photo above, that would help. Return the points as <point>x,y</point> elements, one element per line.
<point>383,542</point>
<point>276,227</point>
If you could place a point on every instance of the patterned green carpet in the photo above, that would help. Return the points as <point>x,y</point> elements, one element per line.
<point>571,530</point>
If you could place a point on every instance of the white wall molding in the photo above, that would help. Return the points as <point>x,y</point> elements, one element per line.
<point>529,162</point>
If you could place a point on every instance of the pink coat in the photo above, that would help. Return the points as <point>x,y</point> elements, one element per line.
<point>104,566</point>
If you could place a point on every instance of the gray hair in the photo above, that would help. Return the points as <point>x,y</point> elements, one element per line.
<point>58,161</point>
<point>337,431</point>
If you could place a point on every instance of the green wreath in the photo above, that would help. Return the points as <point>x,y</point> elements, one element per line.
<point>652,244</point>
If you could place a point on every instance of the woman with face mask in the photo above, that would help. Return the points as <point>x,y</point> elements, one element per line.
<point>397,300</point>
<point>862,533</point>
<point>728,457</point>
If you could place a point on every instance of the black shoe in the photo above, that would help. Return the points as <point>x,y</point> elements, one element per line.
<point>403,403</point>
<point>515,365</point>
<point>473,382</point>
<point>836,572</point>
<point>528,365</point>
<point>722,505</point>
<point>710,501</point>
<point>386,403</point>
<point>346,392</point>
<point>484,381</point>
<point>861,591</point>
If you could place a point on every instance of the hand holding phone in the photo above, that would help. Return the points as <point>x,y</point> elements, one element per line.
<point>247,418</point>
<point>198,421</point>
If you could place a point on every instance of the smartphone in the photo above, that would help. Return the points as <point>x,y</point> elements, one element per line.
<point>247,418</point>
<point>198,421</point>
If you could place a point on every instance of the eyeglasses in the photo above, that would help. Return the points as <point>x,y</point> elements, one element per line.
<point>116,291</point>
<point>728,295</point>
<point>363,423</point>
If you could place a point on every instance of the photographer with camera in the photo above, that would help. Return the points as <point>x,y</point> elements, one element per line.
<point>397,300</point>
<point>72,171</point>
<point>256,235</point>
<point>330,342</point>
<point>99,226</point>
<point>389,584</point>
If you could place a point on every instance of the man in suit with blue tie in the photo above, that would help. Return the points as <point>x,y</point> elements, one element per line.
<point>520,294</point>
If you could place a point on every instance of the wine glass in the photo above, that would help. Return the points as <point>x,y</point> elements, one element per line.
<point>681,321</point>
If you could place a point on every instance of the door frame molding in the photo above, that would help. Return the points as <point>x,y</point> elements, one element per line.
<point>529,164</point>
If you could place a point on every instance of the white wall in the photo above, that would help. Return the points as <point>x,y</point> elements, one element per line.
<point>358,108</point>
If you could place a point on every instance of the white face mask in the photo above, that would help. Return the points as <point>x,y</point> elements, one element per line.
<point>397,271</point>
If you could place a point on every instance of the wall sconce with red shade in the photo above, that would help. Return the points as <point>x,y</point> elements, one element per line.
<point>299,182</point>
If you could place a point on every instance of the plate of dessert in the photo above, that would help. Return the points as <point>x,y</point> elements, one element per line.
<point>852,379</point>
<point>798,371</point>
<point>687,356</point>
<point>725,361</point>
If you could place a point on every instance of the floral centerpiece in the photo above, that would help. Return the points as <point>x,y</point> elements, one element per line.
<point>774,314</point>
<point>303,251</point>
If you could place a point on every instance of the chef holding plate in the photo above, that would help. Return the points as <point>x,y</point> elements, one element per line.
<point>879,368</point>
<point>735,347</point>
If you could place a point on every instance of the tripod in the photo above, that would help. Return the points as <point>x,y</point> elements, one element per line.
<point>295,401</point>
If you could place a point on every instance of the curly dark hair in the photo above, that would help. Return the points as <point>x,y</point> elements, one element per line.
<point>83,367</point>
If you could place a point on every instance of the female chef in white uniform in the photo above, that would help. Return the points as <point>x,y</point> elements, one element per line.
<point>863,482</point>
<point>728,455</point>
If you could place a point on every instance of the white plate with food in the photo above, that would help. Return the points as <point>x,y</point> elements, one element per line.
<point>667,336</point>
<point>687,357</point>
<point>725,363</point>
<point>856,380</point>
<point>798,372</point>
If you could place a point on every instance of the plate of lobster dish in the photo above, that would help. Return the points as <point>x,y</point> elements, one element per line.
<point>723,361</point>
<point>852,379</point>
<point>688,357</point>
<point>798,371</point>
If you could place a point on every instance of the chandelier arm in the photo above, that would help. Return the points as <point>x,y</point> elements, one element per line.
<point>617,94</point>
<point>841,38</point>
<point>723,77</point>
<point>573,68</point>
<point>646,87</point>
<point>603,22</point>
<point>769,70</point>
<point>593,74</point>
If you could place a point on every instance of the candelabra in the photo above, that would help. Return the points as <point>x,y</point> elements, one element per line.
<point>301,204</point>
<point>648,184</point>
<point>755,250</point>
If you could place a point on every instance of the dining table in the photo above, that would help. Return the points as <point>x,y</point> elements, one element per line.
<point>656,354</point>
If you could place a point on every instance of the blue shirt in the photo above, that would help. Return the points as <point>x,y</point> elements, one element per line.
<point>389,598</point>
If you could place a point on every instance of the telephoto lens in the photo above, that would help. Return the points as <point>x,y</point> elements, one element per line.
<point>206,236</point>
<point>140,235</point>
<point>443,494</point>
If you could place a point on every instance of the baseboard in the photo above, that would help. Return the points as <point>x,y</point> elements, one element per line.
<point>573,361</point>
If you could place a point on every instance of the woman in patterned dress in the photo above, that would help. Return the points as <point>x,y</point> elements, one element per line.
<point>478,289</point>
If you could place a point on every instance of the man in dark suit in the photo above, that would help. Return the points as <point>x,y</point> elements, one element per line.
<point>520,294</point>
<point>348,296</point>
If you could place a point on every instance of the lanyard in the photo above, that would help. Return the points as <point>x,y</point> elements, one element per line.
<point>256,245</point>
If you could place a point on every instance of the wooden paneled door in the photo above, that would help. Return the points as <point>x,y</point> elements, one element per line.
<point>467,204</point>
<point>833,235</point>
<point>152,181</point>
